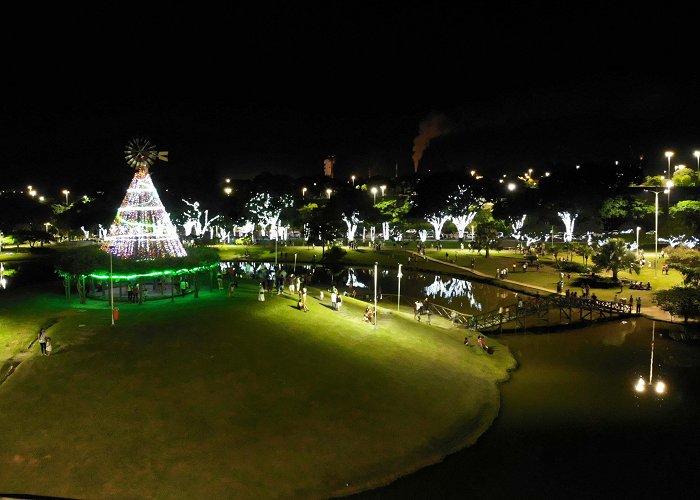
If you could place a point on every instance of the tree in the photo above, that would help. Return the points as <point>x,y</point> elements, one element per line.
<point>266,210</point>
<point>687,261</point>
<point>680,301</point>
<point>584,250</point>
<point>462,207</point>
<point>487,234</point>
<point>614,255</point>
<point>688,213</point>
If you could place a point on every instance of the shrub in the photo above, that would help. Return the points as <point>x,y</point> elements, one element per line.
<point>595,282</point>
<point>572,267</point>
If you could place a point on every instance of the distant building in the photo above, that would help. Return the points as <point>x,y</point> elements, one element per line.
<point>328,165</point>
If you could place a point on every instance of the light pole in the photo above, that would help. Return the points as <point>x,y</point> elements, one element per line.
<point>669,154</point>
<point>353,179</point>
<point>398,301</point>
<point>382,188</point>
<point>374,193</point>
<point>669,185</point>
<point>656,230</point>
<point>638,228</point>
<point>295,263</point>
<point>66,192</point>
<point>696,154</point>
<point>375,294</point>
<point>328,192</point>
<point>303,193</point>
<point>111,288</point>
<point>46,225</point>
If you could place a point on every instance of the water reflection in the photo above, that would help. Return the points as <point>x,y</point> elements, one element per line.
<point>572,426</point>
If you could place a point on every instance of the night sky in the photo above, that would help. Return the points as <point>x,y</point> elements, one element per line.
<point>496,90</point>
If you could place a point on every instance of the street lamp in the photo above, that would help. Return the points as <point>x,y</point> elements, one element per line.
<point>353,179</point>
<point>375,294</point>
<point>382,188</point>
<point>511,186</point>
<point>228,190</point>
<point>46,225</point>
<point>696,154</point>
<point>638,228</point>
<point>656,230</point>
<point>669,185</point>
<point>398,293</point>
<point>669,154</point>
<point>328,192</point>
<point>66,192</point>
<point>303,192</point>
<point>374,193</point>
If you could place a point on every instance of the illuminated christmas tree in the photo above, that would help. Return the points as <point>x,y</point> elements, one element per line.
<point>142,228</point>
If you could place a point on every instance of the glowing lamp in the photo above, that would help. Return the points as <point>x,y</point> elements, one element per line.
<point>640,386</point>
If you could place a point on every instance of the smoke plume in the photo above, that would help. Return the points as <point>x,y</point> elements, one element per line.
<point>435,125</point>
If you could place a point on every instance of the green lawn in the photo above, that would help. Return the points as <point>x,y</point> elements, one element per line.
<point>222,397</point>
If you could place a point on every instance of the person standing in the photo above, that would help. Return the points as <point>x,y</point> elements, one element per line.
<point>183,286</point>
<point>49,347</point>
<point>261,293</point>
<point>639,305</point>
<point>42,341</point>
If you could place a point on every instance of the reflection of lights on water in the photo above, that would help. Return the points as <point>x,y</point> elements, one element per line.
<point>452,289</point>
<point>640,386</point>
<point>353,281</point>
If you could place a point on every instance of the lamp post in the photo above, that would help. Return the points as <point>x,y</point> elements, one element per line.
<point>66,192</point>
<point>382,188</point>
<point>295,263</point>
<point>111,289</point>
<point>375,294</point>
<point>638,228</point>
<point>669,185</point>
<point>328,192</point>
<point>669,154</point>
<point>696,154</point>
<point>656,230</point>
<point>374,193</point>
<point>46,225</point>
<point>398,300</point>
<point>303,193</point>
<point>353,179</point>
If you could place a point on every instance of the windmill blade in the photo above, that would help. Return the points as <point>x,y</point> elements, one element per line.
<point>163,155</point>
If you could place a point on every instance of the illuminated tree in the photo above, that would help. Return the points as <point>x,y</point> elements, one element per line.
<point>462,207</point>
<point>267,209</point>
<point>142,228</point>
<point>517,226</point>
<point>437,220</point>
<point>351,222</point>
<point>569,222</point>
<point>193,220</point>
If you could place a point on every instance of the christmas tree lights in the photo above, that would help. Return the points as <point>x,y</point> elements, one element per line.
<point>142,229</point>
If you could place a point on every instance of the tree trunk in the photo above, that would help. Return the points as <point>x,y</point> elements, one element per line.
<point>614,271</point>
<point>196,286</point>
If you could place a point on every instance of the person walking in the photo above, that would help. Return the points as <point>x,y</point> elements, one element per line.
<point>261,293</point>
<point>42,341</point>
<point>639,305</point>
<point>49,347</point>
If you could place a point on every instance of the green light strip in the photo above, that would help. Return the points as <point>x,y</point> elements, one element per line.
<point>167,272</point>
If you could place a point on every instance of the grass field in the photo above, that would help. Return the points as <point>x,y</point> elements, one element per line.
<point>222,397</point>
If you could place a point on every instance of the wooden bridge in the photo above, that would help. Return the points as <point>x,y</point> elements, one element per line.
<point>570,309</point>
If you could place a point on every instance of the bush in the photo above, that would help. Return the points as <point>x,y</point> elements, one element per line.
<point>334,254</point>
<point>572,267</point>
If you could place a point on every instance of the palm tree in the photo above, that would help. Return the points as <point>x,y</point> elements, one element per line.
<point>614,255</point>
